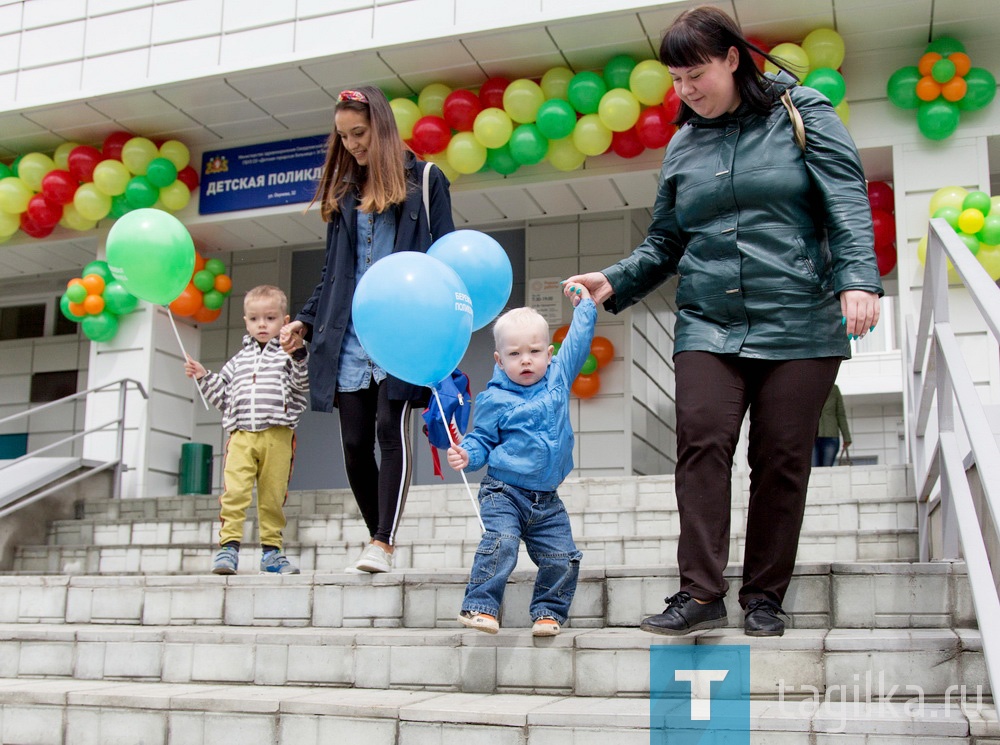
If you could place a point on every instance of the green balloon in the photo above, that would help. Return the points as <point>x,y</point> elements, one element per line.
<point>213,299</point>
<point>943,70</point>
<point>204,280</point>
<point>585,91</point>
<point>99,268</point>
<point>556,346</point>
<point>120,206</point>
<point>13,166</point>
<point>829,82</point>
<point>5,171</point>
<point>152,254</point>
<point>501,161</point>
<point>981,87</point>
<point>971,241</point>
<point>527,145</point>
<point>141,193</point>
<point>118,300</point>
<point>215,266</point>
<point>977,200</point>
<point>101,327</point>
<point>902,87</point>
<point>617,72</point>
<point>937,119</point>
<point>161,172</point>
<point>589,365</point>
<point>945,46</point>
<point>64,302</point>
<point>555,119</point>
<point>949,214</point>
<point>990,234</point>
<point>76,293</point>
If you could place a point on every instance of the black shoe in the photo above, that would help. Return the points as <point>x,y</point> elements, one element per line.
<point>761,618</point>
<point>684,614</point>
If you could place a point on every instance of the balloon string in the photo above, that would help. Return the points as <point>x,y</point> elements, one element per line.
<point>451,439</point>
<point>183,351</point>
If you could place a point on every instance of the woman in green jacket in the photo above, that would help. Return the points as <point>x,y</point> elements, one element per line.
<point>774,247</point>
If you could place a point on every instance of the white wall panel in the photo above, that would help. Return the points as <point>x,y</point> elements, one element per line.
<point>334,34</point>
<point>52,44</point>
<point>257,46</point>
<point>125,68</point>
<point>243,14</point>
<point>187,19</point>
<point>10,51</point>
<point>183,59</point>
<point>118,32</point>
<point>49,12</point>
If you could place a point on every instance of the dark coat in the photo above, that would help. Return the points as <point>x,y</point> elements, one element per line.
<point>764,237</point>
<point>328,312</point>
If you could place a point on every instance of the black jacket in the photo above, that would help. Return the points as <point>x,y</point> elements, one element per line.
<point>328,312</point>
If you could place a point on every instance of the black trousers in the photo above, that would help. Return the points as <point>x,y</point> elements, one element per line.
<point>380,487</point>
<point>785,399</point>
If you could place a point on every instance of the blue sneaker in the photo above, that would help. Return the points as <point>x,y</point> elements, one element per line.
<point>275,562</point>
<point>226,561</point>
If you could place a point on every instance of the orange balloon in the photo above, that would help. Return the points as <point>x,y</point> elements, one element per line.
<point>77,309</point>
<point>927,62</point>
<point>74,281</point>
<point>962,63</point>
<point>928,88</point>
<point>94,284</point>
<point>199,263</point>
<point>560,334</point>
<point>93,304</point>
<point>223,283</point>
<point>603,350</point>
<point>954,89</point>
<point>188,302</point>
<point>586,386</point>
<point>204,315</point>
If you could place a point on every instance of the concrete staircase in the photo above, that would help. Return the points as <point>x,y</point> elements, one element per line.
<point>115,632</point>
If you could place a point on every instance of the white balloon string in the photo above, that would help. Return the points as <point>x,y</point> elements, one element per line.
<point>184,351</point>
<point>451,439</point>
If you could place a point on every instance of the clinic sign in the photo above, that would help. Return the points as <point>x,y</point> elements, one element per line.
<point>243,178</point>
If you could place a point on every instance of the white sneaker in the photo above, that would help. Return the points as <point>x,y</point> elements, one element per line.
<point>374,559</point>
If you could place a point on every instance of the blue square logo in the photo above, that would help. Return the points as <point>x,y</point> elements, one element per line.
<point>699,695</point>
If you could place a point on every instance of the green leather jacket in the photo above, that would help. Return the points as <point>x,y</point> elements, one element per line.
<point>764,237</point>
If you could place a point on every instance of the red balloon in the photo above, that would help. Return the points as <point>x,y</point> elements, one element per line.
<point>886,258</point>
<point>654,128</point>
<point>431,134</point>
<point>672,104</point>
<point>42,212</point>
<point>32,228</point>
<point>884,226</point>
<point>59,186</point>
<point>627,144</point>
<point>189,177</point>
<point>113,143</point>
<point>491,92</point>
<point>881,197</point>
<point>414,147</point>
<point>762,46</point>
<point>460,109</point>
<point>586,386</point>
<point>82,161</point>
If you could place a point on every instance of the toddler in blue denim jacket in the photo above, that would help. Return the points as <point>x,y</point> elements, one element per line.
<point>522,434</point>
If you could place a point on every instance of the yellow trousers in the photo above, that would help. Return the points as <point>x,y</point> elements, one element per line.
<point>265,458</point>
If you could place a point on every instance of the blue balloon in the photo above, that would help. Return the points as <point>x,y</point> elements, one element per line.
<point>413,316</point>
<point>483,265</point>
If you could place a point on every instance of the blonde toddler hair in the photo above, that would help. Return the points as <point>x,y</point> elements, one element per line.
<point>267,292</point>
<point>518,317</point>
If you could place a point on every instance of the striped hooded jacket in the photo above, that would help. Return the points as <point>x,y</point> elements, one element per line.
<point>260,387</point>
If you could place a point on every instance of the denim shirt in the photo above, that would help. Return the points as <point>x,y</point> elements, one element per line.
<point>376,235</point>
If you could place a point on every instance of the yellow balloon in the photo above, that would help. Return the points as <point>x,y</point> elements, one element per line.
<point>175,196</point>
<point>111,177</point>
<point>431,99</point>
<point>492,127</point>
<point>61,156</point>
<point>555,83</point>
<point>32,167</point>
<point>591,136</point>
<point>824,47</point>
<point>564,155</point>
<point>843,111</point>
<point>971,221</point>
<point>137,154</point>
<point>994,205</point>
<point>73,220</point>
<point>618,109</point>
<point>649,81</point>
<point>521,100</point>
<point>441,161</point>
<point>465,153</point>
<point>989,257</point>
<point>176,152</point>
<point>953,277</point>
<point>14,195</point>
<point>406,113</point>
<point>9,223</point>
<point>91,202</point>
<point>947,196</point>
<point>794,57</point>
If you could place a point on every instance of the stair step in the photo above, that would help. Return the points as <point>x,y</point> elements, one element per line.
<point>821,595</point>
<point>859,663</point>
<point>91,712</point>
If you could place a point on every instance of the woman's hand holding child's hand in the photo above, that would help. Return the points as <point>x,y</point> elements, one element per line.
<point>458,458</point>
<point>575,291</point>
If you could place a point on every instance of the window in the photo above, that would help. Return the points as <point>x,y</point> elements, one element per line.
<point>22,321</point>
<point>51,386</point>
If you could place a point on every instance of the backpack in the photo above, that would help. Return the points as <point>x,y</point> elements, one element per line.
<point>456,400</point>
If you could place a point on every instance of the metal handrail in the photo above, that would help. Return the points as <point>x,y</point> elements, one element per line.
<point>119,422</point>
<point>939,391</point>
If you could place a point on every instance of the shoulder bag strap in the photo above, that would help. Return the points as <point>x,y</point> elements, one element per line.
<point>427,195</point>
<point>798,128</point>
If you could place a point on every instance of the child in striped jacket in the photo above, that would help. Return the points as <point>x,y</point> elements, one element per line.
<point>262,392</point>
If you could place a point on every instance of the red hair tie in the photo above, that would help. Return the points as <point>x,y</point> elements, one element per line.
<point>350,95</point>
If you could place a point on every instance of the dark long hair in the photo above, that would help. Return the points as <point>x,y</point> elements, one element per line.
<point>383,181</point>
<point>702,34</point>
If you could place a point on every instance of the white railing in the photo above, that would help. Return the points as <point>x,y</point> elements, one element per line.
<point>952,447</point>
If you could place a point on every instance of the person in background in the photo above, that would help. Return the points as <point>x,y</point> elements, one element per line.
<point>371,197</point>
<point>832,424</point>
<point>774,247</point>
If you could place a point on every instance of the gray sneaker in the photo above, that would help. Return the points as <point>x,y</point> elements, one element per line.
<point>374,559</point>
<point>275,562</point>
<point>226,561</point>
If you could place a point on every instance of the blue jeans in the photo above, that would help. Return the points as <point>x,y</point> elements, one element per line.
<point>825,451</point>
<point>511,515</point>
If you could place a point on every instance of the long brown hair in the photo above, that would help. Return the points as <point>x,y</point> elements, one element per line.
<point>698,36</point>
<point>382,183</point>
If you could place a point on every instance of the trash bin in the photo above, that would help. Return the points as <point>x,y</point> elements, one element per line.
<point>195,475</point>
